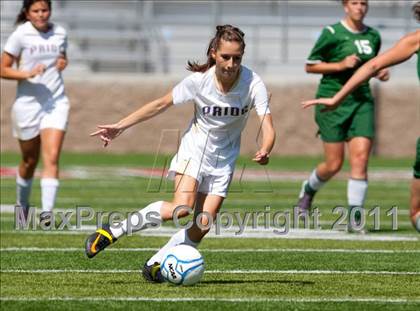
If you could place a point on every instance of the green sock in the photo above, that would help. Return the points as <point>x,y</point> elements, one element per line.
<point>309,190</point>
<point>357,215</point>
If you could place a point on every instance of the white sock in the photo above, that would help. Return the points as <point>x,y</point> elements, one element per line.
<point>356,192</point>
<point>149,215</point>
<point>49,187</point>
<point>23,191</point>
<point>181,237</point>
<point>314,182</point>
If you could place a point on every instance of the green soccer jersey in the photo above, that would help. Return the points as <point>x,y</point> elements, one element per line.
<point>418,64</point>
<point>336,43</point>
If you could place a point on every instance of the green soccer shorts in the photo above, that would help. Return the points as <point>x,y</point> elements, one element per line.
<point>346,121</point>
<point>416,166</point>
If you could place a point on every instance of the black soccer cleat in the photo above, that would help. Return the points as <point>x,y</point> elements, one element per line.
<point>152,273</point>
<point>97,241</point>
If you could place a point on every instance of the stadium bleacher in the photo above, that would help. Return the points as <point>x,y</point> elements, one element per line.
<point>160,36</point>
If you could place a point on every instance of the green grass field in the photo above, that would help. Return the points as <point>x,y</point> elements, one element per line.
<point>301,270</point>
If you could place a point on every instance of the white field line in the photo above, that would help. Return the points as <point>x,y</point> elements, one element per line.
<point>119,271</point>
<point>223,250</point>
<point>258,233</point>
<point>221,299</point>
<point>255,234</point>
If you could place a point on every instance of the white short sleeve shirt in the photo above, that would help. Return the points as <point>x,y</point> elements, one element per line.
<point>213,138</point>
<point>32,47</point>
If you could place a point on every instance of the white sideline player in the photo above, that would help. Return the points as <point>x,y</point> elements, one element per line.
<point>40,111</point>
<point>223,93</point>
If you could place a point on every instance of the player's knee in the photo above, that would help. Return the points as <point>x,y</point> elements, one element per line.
<point>180,211</point>
<point>359,164</point>
<point>52,159</point>
<point>334,166</point>
<point>30,163</point>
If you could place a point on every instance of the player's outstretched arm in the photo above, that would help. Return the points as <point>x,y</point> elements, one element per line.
<point>268,139</point>
<point>400,52</point>
<point>111,131</point>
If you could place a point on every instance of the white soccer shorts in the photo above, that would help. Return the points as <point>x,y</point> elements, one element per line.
<point>208,184</point>
<point>28,119</point>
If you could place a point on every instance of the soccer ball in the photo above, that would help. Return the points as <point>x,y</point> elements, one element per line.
<point>182,265</point>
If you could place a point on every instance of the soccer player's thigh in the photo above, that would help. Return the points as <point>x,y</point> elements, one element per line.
<point>185,195</point>
<point>332,125</point>
<point>363,122</point>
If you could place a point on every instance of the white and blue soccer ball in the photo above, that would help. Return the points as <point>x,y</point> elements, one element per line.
<point>182,265</point>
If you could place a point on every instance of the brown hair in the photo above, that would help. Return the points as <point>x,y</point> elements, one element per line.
<point>416,10</point>
<point>344,2</point>
<point>223,32</point>
<point>21,17</point>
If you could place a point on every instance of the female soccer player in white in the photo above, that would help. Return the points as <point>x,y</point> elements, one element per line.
<point>41,108</point>
<point>223,93</point>
<point>400,52</point>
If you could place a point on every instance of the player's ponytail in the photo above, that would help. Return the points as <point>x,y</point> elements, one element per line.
<point>225,32</point>
<point>21,17</point>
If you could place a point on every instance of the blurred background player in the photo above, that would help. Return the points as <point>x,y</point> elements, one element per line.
<point>338,52</point>
<point>400,52</point>
<point>40,112</point>
<point>223,93</point>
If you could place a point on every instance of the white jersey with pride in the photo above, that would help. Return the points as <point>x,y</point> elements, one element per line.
<point>211,144</point>
<point>32,47</point>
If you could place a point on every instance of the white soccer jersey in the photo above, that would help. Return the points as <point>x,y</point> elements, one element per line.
<point>32,47</point>
<point>212,141</point>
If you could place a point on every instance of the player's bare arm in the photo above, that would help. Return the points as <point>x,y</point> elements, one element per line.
<point>400,52</point>
<point>349,62</point>
<point>110,131</point>
<point>268,139</point>
<point>8,72</point>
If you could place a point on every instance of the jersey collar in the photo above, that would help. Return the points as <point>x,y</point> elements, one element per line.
<point>344,24</point>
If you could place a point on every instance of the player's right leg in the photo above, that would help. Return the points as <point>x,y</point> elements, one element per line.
<point>30,154</point>
<point>207,205</point>
<point>415,203</point>
<point>334,157</point>
<point>415,191</point>
<point>152,215</point>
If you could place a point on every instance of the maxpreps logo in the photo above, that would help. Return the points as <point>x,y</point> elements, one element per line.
<point>218,111</point>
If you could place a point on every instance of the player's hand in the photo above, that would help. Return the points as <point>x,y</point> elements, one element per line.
<point>383,75</point>
<point>61,63</point>
<point>329,103</point>
<point>108,132</point>
<point>350,61</point>
<point>39,69</point>
<point>261,157</point>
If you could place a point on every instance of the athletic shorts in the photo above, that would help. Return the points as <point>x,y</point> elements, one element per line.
<point>28,119</point>
<point>416,166</point>
<point>346,122</point>
<point>208,183</point>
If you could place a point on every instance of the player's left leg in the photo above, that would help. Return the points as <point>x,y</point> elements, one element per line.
<point>415,190</point>
<point>51,144</point>
<point>359,151</point>
<point>415,203</point>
